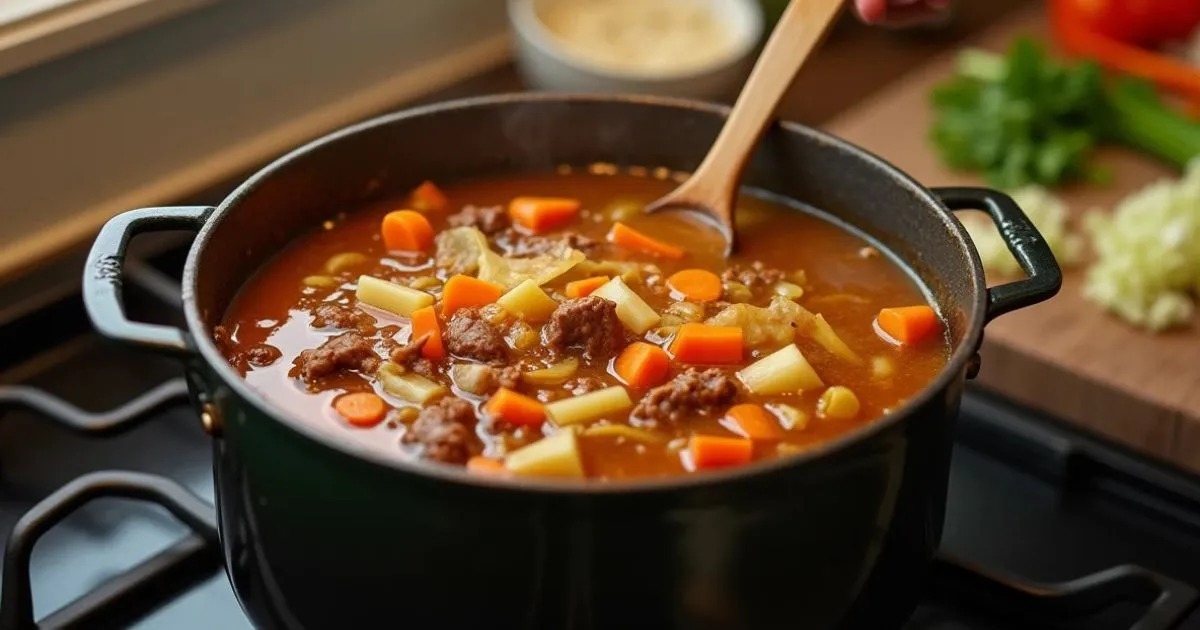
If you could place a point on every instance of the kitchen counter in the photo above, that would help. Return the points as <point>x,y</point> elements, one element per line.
<point>855,61</point>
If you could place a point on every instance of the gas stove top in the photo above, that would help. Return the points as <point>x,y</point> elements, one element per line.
<point>104,466</point>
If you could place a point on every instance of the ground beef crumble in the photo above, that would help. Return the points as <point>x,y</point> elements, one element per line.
<point>342,317</point>
<point>347,351</point>
<point>755,275</point>
<point>523,245</point>
<point>469,336</point>
<point>261,354</point>
<point>508,377</point>
<point>588,322</point>
<point>584,385</point>
<point>487,219</point>
<point>689,393</point>
<point>223,339</point>
<point>408,356</point>
<point>483,380</point>
<point>257,355</point>
<point>444,431</point>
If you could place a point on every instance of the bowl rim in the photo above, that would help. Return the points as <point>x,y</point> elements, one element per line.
<point>203,343</point>
<point>531,29</point>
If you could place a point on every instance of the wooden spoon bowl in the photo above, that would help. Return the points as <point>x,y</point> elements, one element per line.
<point>712,188</point>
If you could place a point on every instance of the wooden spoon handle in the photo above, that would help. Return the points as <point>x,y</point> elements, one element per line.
<point>799,30</point>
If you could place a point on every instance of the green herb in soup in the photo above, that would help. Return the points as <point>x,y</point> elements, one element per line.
<point>542,326</point>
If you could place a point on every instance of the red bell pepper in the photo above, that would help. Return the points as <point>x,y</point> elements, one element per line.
<point>1147,23</point>
<point>1112,32</point>
<point>1175,19</point>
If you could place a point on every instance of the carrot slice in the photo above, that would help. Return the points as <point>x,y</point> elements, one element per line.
<point>515,408</point>
<point>709,451</point>
<point>485,466</point>
<point>406,231</point>
<point>361,409</point>
<point>908,325</point>
<point>622,235</point>
<point>700,343</point>
<point>463,291</point>
<point>697,285</point>
<point>753,422</point>
<point>425,322</point>
<point>428,196</point>
<point>542,214</point>
<point>642,365</point>
<point>584,288</point>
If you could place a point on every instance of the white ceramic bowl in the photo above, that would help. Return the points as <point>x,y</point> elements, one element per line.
<point>548,66</point>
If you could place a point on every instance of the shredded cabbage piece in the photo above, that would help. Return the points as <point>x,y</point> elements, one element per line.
<point>778,324</point>
<point>458,250</point>
<point>556,374</point>
<point>465,250</point>
<point>509,272</point>
<point>629,271</point>
<point>1047,212</point>
<point>1147,268</point>
<point>771,327</point>
<point>823,333</point>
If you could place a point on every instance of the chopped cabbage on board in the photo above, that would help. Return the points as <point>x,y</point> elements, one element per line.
<point>1048,214</point>
<point>1147,268</point>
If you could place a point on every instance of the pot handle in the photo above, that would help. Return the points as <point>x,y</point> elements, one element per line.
<point>106,263</point>
<point>1023,240</point>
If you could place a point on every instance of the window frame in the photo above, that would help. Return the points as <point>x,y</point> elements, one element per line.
<point>61,28</point>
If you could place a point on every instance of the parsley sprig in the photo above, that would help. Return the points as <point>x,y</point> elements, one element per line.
<point>1025,118</point>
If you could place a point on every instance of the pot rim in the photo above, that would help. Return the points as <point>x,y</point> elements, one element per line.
<point>203,343</point>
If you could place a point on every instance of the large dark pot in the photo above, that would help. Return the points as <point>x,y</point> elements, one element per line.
<point>320,534</point>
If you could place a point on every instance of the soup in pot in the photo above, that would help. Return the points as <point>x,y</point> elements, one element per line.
<point>544,326</point>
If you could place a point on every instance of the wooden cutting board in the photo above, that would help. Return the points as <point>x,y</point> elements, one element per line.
<point>1066,357</point>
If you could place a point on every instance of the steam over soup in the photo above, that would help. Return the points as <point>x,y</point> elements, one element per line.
<point>543,326</point>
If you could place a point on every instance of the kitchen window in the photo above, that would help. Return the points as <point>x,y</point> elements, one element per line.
<point>16,10</point>
<point>147,102</point>
<point>36,31</point>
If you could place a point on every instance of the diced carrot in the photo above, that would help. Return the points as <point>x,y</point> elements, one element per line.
<point>700,343</point>
<point>697,285</point>
<point>463,291</point>
<point>709,451</point>
<point>425,322</point>
<point>584,288</point>
<point>622,235</point>
<point>908,325</point>
<point>428,197</point>
<point>515,408</point>
<point>486,466</point>
<point>406,231</point>
<point>753,422</point>
<point>542,214</point>
<point>642,365</point>
<point>361,409</point>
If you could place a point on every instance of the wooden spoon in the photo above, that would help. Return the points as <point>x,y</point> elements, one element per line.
<point>712,188</point>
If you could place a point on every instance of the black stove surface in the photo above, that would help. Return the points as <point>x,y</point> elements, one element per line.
<point>1033,506</point>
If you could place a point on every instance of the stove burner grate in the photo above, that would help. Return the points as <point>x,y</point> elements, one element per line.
<point>195,557</point>
<point>141,589</point>
<point>132,594</point>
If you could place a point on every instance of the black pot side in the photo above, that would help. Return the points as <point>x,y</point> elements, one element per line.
<point>318,534</point>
